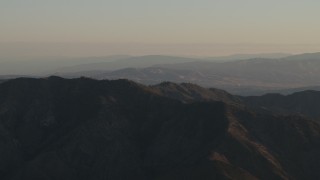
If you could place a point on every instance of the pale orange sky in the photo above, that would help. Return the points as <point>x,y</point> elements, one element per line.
<point>174,27</point>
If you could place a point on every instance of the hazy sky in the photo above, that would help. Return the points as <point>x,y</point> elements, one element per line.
<point>282,22</point>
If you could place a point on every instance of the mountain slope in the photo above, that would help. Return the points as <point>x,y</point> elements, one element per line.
<point>304,103</point>
<point>187,92</point>
<point>56,128</point>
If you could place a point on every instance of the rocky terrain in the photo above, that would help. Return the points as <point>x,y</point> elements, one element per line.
<point>84,129</point>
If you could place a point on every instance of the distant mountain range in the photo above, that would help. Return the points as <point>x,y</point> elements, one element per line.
<point>50,65</point>
<point>249,56</point>
<point>243,77</point>
<point>131,62</point>
<point>84,129</point>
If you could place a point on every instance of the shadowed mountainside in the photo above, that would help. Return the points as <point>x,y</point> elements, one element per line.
<point>187,92</point>
<point>304,103</point>
<point>83,129</point>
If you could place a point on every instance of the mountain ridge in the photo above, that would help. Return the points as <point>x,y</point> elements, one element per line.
<point>55,128</point>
